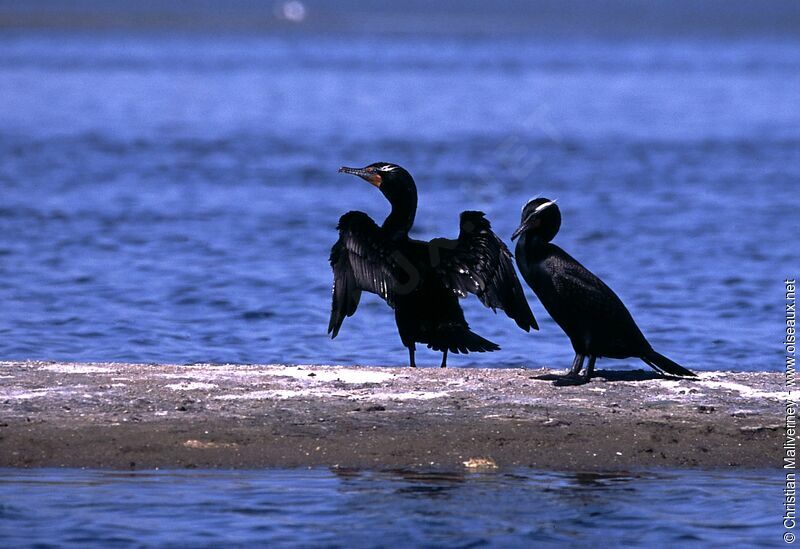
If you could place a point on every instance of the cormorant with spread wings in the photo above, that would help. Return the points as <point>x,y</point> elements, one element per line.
<point>420,280</point>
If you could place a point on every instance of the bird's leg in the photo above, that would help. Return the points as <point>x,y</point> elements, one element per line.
<point>589,368</point>
<point>444,359</point>
<point>577,365</point>
<point>573,377</point>
<point>411,357</point>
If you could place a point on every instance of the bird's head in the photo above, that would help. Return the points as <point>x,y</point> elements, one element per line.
<point>393,181</point>
<point>541,217</point>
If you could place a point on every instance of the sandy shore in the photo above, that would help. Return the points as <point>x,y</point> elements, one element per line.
<point>143,416</point>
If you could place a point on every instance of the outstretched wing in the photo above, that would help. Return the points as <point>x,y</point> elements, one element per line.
<point>479,263</point>
<point>362,260</point>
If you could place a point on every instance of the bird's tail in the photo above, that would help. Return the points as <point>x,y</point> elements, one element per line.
<point>663,365</point>
<point>458,339</point>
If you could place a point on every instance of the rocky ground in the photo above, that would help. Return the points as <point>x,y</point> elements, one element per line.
<point>171,416</point>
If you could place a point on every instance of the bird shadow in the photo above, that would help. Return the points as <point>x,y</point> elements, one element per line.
<point>611,375</point>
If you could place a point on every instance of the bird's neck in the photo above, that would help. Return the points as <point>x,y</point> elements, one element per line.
<point>401,218</point>
<point>534,245</point>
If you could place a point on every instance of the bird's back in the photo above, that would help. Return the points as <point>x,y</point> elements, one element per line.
<point>590,313</point>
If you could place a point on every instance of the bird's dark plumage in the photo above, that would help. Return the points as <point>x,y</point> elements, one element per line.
<point>480,263</point>
<point>421,280</point>
<point>590,313</point>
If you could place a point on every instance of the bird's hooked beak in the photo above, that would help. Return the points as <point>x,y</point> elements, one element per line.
<point>533,220</point>
<point>365,174</point>
<point>524,226</point>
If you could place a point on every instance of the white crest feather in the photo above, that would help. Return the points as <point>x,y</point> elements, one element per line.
<point>547,204</point>
<point>529,201</point>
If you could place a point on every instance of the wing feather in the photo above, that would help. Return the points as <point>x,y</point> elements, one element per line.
<point>362,260</point>
<point>481,264</point>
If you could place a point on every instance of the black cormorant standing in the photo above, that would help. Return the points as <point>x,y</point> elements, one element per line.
<point>596,321</point>
<point>420,280</point>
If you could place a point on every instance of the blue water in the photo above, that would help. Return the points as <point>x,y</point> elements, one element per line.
<point>168,193</point>
<point>172,196</point>
<point>362,509</point>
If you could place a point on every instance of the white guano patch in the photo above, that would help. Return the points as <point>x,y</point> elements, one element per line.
<point>192,386</point>
<point>707,381</point>
<point>315,374</point>
<point>409,395</point>
<point>75,369</point>
<point>282,382</point>
<point>750,392</point>
<point>324,375</point>
<point>279,394</point>
<point>322,392</point>
<point>25,394</point>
